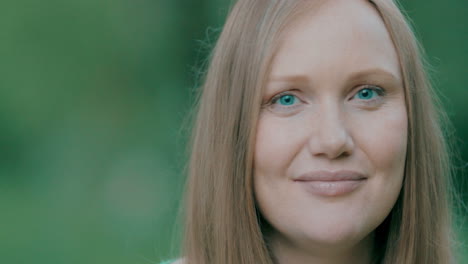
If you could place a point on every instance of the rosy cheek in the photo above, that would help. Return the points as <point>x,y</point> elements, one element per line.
<point>383,139</point>
<point>265,148</point>
<point>275,145</point>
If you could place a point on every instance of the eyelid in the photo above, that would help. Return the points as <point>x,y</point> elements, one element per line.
<point>277,96</point>
<point>378,89</point>
<point>272,104</point>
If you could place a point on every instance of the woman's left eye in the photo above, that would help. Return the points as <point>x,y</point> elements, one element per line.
<point>369,93</point>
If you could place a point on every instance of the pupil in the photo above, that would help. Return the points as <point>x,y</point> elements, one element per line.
<point>287,99</point>
<point>365,93</point>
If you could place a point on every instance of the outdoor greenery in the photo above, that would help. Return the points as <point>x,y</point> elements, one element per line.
<point>94,102</point>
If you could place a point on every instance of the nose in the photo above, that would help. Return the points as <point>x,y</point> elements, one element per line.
<point>330,136</point>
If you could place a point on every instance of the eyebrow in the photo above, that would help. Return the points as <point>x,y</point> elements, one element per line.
<point>374,72</point>
<point>358,75</point>
<point>290,78</point>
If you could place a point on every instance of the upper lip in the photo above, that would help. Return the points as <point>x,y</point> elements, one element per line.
<point>323,175</point>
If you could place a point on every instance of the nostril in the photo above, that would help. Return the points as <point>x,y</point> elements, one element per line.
<point>331,143</point>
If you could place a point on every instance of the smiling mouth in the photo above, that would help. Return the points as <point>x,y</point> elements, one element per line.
<point>331,188</point>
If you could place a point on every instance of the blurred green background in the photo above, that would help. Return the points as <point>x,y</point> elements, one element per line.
<point>93,99</point>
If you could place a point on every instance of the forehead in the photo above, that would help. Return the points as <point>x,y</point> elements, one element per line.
<point>334,39</point>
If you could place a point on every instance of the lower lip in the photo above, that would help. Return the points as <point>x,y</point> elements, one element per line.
<point>331,188</point>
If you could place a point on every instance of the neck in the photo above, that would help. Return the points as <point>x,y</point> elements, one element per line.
<point>285,252</point>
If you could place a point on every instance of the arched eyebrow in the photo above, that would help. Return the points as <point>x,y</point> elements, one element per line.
<point>370,74</point>
<point>297,78</point>
<point>373,74</point>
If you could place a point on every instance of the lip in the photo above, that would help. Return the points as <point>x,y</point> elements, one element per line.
<point>331,184</point>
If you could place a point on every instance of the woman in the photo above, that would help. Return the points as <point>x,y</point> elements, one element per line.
<point>317,140</point>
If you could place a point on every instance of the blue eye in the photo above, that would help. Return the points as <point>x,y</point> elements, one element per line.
<point>369,94</point>
<point>366,94</point>
<point>286,99</point>
<point>285,103</point>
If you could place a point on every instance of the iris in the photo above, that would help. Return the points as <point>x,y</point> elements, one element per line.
<point>366,94</point>
<point>287,99</point>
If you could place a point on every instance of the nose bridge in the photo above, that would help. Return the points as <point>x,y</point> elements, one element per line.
<point>330,136</point>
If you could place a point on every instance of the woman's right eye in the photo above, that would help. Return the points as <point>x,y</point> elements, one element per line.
<point>284,103</point>
<point>285,100</point>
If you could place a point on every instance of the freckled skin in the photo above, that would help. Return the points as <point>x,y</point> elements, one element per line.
<point>329,127</point>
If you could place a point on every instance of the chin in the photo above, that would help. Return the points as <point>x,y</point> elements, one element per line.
<point>336,236</point>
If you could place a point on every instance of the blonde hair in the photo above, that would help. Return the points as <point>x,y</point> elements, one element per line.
<point>222,224</point>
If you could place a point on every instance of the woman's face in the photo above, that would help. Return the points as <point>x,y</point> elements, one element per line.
<point>332,136</point>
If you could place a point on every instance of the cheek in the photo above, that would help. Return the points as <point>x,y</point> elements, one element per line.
<point>384,144</point>
<point>275,145</point>
<point>384,140</point>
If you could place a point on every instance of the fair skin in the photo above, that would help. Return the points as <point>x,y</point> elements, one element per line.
<point>334,104</point>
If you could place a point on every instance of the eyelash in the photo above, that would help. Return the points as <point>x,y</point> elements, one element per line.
<point>277,97</point>
<point>377,89</point>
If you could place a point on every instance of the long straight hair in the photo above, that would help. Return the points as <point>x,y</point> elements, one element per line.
<point>222,224</point>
